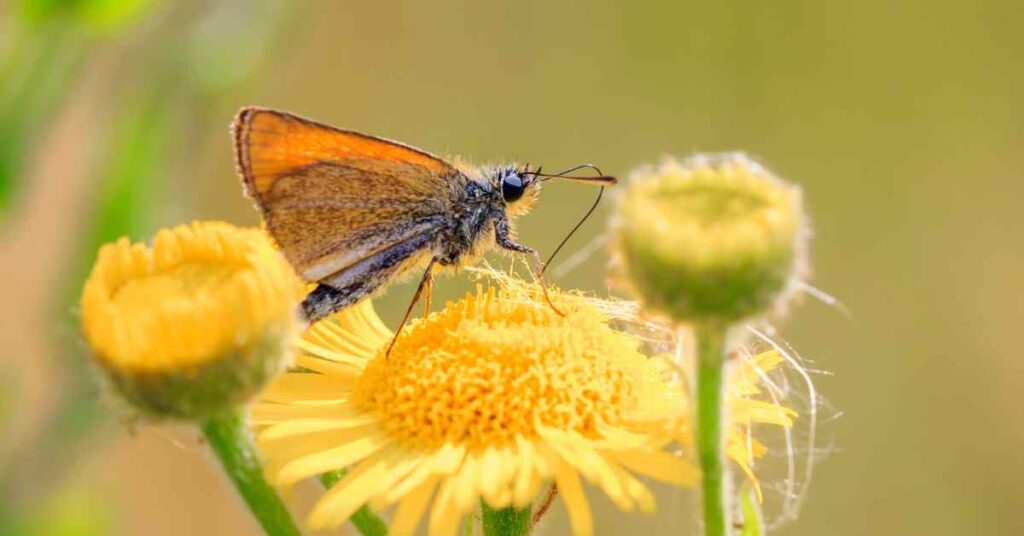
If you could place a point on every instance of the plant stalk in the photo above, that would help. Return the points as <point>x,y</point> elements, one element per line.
<point>506,521</point>
<point>711,359</point>
<point>231,442</point>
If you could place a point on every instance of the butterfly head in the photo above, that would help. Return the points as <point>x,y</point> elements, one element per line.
<point>518,188</point>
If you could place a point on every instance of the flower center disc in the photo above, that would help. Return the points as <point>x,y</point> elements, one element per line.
<point>492,366</point>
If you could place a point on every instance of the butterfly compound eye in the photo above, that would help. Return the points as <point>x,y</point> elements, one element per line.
<point>512,187</point>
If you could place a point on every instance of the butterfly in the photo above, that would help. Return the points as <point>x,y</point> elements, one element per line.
<point>354,212</point>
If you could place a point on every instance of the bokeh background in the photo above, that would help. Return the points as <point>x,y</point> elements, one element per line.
<point>903,121</point>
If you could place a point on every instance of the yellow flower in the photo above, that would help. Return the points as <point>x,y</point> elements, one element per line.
<point>746,376</point>
<point>195,324</point>
<point>490,398</point>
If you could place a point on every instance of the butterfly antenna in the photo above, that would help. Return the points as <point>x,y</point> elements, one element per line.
<point>570,170</point>
<point>600,179</point>
<point>593,207</point>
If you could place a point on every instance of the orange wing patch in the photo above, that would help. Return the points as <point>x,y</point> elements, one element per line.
<point>331,197</point>
<point>269,144</point>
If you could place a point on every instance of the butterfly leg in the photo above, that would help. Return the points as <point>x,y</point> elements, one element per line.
<point>428,276</point>
<point>426,299</point>
<point>501,236</point>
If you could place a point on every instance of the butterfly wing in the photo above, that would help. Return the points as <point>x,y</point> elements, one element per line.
<point>331,197</point>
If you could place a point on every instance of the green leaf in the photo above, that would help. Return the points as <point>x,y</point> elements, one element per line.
<point>36,76</point>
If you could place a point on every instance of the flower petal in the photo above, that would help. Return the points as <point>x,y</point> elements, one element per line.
<point>575,501</point>
<point>659,465</point>
<point>410,509</point>
<point>443,463</point>
<point>302,387</point>
<point>347,496</point>
<point>330,459</point>
<point>296,427</point>
<point>444,517</point>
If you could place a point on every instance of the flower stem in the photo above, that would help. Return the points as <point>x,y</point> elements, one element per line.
<point>711,358</point>
<point>506,521</point>
<point>365,521</point>
<point>230,440</point>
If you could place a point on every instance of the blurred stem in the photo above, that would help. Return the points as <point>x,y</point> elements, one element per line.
<point>711,359</point>
<point>35,78</point>
<point>131,175</point>
<point>230,440</point>
<point>367,522</point>
<point>505,521</point>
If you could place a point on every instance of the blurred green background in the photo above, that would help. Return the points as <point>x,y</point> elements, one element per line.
<point>903,121</point>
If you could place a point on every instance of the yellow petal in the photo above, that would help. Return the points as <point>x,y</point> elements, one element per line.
<point>298,387</point>
<point>341,356</point>
<point>527,481</point>
<point>660,465</point>
<point>270,413</point>
<point>347,496</point>
<point>280,452</point>
<point>401,466</point>
<point>328,460</point>
<point>497,472</point>
<point>344,373</point>
<point>636,491</point>
<point>577,451</point>
<point>363,320</point>
<point>296,427</point>
<point>466,482</point>
<point>575,501</point>
<point>444,517</point>
<point>441,463</point>
<point>410,509</point>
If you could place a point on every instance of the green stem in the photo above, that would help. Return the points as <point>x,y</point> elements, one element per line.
<point>230,440</point>
<point>367,522</point>
<point>711,358</point>
<point>506,521</point>
<point>753,524</point>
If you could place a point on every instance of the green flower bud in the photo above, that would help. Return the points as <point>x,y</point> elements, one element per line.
<point>716,238</point>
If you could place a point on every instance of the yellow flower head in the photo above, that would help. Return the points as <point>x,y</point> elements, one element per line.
<point>196,323</point>
<point>490,398</point>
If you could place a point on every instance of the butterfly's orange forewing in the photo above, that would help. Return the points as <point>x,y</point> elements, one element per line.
<point>332,197</point>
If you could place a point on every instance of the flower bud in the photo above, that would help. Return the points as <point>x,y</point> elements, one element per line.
<point>194,325</point>
<point>716,238</point>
